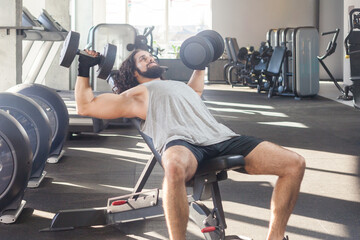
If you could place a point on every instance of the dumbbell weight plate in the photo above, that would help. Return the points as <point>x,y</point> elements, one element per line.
<point>36,124</point>
<point>70,48</point>
<point>196,52</point>
<point>16,160</point>
<point>53,105</point>
<point>216,40</point>
<point>107,61</point>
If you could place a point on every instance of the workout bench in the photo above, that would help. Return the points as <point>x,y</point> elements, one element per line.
<point>145,205</point>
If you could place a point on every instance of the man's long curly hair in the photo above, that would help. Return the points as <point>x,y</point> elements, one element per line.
<point>124,79</point>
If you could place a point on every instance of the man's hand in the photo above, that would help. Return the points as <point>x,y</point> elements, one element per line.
<point>86,62</point>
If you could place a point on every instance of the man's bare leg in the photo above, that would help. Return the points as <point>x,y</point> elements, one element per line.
<point>180,166</point>
<point>268,158</point>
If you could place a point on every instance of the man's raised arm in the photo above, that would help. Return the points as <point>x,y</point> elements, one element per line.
<point>107,105</point>
<point>196,81</point>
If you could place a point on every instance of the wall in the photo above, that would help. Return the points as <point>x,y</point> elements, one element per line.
<point>249,21</point>
<point>10,44</point>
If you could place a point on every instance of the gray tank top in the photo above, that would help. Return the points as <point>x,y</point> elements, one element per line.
<point>176,111</point>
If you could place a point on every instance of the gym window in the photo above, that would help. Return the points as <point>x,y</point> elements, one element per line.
<point>174,20</point>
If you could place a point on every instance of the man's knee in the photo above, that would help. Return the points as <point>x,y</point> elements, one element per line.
<point>297,165</point>
<point>174,169</point>
<point>179,164</point>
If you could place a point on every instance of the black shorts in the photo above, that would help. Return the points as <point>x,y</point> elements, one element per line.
<point>240,145</point>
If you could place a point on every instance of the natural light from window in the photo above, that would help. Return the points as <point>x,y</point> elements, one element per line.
<point>174,20</point>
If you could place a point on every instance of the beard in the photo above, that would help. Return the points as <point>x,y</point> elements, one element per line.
<point>152,72</point>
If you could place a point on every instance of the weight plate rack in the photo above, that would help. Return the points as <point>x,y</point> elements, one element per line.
<point>15,166</point>
<point>55,109</point>
<point>36,124</point>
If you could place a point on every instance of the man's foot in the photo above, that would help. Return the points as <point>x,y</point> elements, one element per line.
<point>286,238</point>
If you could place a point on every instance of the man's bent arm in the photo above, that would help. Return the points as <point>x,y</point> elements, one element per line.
<point>83,94</point>
<point>105,106</point>
<point>196,81</point>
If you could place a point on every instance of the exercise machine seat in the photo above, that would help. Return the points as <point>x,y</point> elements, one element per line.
<point>276,61</point>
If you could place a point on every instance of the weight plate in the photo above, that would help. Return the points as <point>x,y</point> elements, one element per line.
<point>15,160</point>
<point>69,49</point>
<point>36,124</point>
<point>216,40</point>
<point>6,164</point>
<point>107,61</point>
<point>196,52</point>
<point>55,109</point>
<point>243,54</point>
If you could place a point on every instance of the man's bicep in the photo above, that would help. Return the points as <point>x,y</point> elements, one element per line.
<point>111,106</point>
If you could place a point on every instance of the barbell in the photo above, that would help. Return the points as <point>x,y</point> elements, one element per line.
<point>198,51</point>
<point>70,49</point>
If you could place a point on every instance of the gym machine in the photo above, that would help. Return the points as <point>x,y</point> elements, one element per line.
<point>299,75</point>
<point>239,63</point>
<point>331,48</point>
<point>230,60</point>
<point>352,48</point>
<point>248,63</point>
<point>142,42</point>
<point>146,205</point>
<point>273,71</point>
<point>122,36</point>
<point>305,73</point>
<point>279,81</point>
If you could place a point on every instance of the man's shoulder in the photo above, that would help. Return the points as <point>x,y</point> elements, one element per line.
<point>134,91</point>
<point>163,84</point>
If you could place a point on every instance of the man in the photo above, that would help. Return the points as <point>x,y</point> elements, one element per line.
<point>185,133</point>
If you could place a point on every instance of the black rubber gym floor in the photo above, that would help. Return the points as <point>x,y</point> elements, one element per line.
<point>98,166</point>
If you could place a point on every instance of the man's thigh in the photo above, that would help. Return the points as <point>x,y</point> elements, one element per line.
<point>269,158</point>
<point>181,156</point>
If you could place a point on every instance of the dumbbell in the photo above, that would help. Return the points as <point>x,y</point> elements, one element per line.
<point>198,51</point>
<point>70,50</point>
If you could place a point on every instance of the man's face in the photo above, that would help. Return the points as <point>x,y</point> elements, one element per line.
<point>146,65</point>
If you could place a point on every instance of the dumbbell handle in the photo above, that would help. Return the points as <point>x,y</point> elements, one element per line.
<point>82,52</point>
